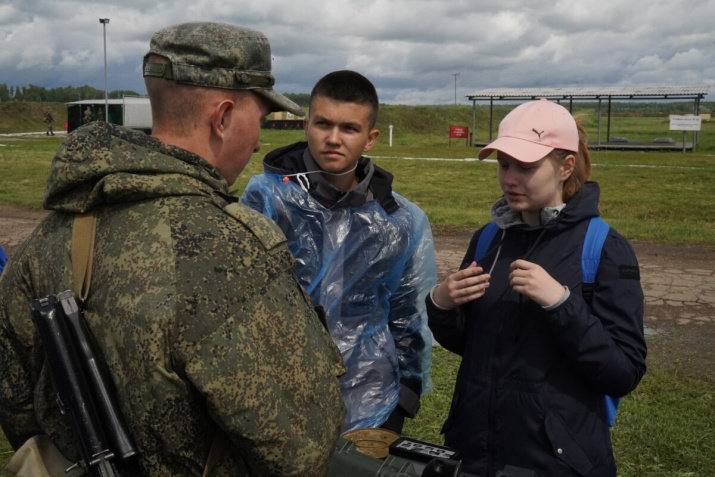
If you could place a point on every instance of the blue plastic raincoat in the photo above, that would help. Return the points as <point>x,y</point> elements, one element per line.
<point>370,270</point>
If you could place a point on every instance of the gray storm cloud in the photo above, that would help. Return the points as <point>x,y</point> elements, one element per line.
<point>410,49</point>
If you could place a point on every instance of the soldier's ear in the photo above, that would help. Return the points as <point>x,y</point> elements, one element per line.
<point>221,117</point>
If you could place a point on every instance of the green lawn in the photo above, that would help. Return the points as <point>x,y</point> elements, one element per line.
<point>660,197</point>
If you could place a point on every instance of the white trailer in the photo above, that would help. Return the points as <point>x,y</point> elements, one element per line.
<point>131,111</point>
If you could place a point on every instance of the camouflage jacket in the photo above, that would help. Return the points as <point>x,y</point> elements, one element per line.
<point>194,305</point>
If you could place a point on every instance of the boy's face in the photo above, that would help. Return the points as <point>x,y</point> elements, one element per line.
<point>338,134</point>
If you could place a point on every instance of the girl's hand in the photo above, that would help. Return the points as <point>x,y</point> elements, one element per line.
<point>531,280</point>
<point>461,287</point>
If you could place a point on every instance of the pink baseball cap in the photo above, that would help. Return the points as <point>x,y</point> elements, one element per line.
<point>534,129</point>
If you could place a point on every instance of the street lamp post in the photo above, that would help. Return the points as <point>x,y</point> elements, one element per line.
<point>455,87</point>
<point>104,22</point>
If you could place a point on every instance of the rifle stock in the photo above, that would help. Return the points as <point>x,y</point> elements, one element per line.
<point>83,391</point>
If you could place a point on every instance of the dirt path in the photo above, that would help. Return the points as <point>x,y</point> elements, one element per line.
<point>679,287</point>
<point>678,282</point>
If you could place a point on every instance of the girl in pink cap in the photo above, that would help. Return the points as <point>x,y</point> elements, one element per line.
<point>538,356</point>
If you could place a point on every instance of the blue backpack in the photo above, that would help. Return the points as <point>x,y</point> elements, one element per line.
<point>3,259</point>
<point>590,258</point>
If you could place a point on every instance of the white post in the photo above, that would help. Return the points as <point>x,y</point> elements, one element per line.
<point>390,135</point>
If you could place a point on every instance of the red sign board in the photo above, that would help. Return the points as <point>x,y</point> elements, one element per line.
<point>459,131</point>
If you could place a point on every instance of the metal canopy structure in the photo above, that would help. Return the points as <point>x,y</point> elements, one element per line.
<point>695,93</point>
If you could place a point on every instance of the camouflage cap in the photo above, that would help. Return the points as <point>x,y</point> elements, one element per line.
<point>217,55</point>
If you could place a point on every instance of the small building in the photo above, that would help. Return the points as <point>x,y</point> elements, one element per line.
<point>282,120</point>
<point>131,111</point>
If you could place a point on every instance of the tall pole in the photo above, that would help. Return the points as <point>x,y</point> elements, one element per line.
<point>455,87</point>
<point>104,22</point>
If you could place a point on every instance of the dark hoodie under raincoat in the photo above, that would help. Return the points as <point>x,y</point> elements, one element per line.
<point>194,306</point>
<point>531,385</point>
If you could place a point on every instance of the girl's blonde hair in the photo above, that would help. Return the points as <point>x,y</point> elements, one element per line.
<point>582,165</point>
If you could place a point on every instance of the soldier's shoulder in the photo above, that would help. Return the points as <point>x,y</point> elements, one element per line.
<point>258,225</point>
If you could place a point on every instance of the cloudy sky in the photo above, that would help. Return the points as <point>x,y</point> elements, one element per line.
<point>410,49</point>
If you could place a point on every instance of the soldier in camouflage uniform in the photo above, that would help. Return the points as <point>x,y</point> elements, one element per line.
<point>49,120</point>
<point>87,116</point>
<point>193,301</point>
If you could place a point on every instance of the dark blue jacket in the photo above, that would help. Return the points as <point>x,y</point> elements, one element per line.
<point>530,389</point>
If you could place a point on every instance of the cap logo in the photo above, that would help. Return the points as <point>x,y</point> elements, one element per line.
<point>538,133</point>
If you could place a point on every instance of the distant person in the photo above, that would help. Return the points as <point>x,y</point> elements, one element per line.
<point>363,252</point>
<point>100,114</point>
<point>193,302</point>
<point>49,120</point>
<point>88,116</point>
<point>537,358</point>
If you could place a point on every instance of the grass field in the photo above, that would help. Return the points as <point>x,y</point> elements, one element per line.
<point>654,197</point>
<point>667,426</point>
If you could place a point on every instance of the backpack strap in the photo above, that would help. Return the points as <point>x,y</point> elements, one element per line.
<point>590,259</point>
<point>485,240</point>
<point>591,255</point>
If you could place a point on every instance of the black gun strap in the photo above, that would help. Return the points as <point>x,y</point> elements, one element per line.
<point>83,232</point>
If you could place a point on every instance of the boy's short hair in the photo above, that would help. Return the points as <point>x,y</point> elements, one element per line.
<point>348,87</point>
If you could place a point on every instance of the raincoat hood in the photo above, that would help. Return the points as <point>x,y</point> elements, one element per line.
<point>103,163</point>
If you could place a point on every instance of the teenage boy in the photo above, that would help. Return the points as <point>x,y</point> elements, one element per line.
<point>363,252</point>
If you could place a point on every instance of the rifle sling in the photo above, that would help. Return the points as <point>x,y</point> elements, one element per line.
<point>83,232</point>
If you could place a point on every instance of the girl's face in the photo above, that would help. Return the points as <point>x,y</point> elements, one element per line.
<point>530,186</point>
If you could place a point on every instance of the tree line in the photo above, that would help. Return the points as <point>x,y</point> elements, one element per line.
<point>40,94</point>
<point>67,94</point>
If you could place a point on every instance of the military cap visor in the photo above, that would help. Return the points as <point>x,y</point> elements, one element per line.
<point>216,55</point>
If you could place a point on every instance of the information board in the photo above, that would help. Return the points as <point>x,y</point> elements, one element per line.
<point>685,123</point>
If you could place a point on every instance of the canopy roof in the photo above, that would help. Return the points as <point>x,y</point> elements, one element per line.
<point>124,100</point>
<point>610,93</point>
<point>593,93</point>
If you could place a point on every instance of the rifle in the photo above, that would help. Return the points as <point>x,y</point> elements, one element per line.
<point>83,389</point>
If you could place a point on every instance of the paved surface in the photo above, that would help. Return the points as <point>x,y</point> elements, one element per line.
<point>692,289</point>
